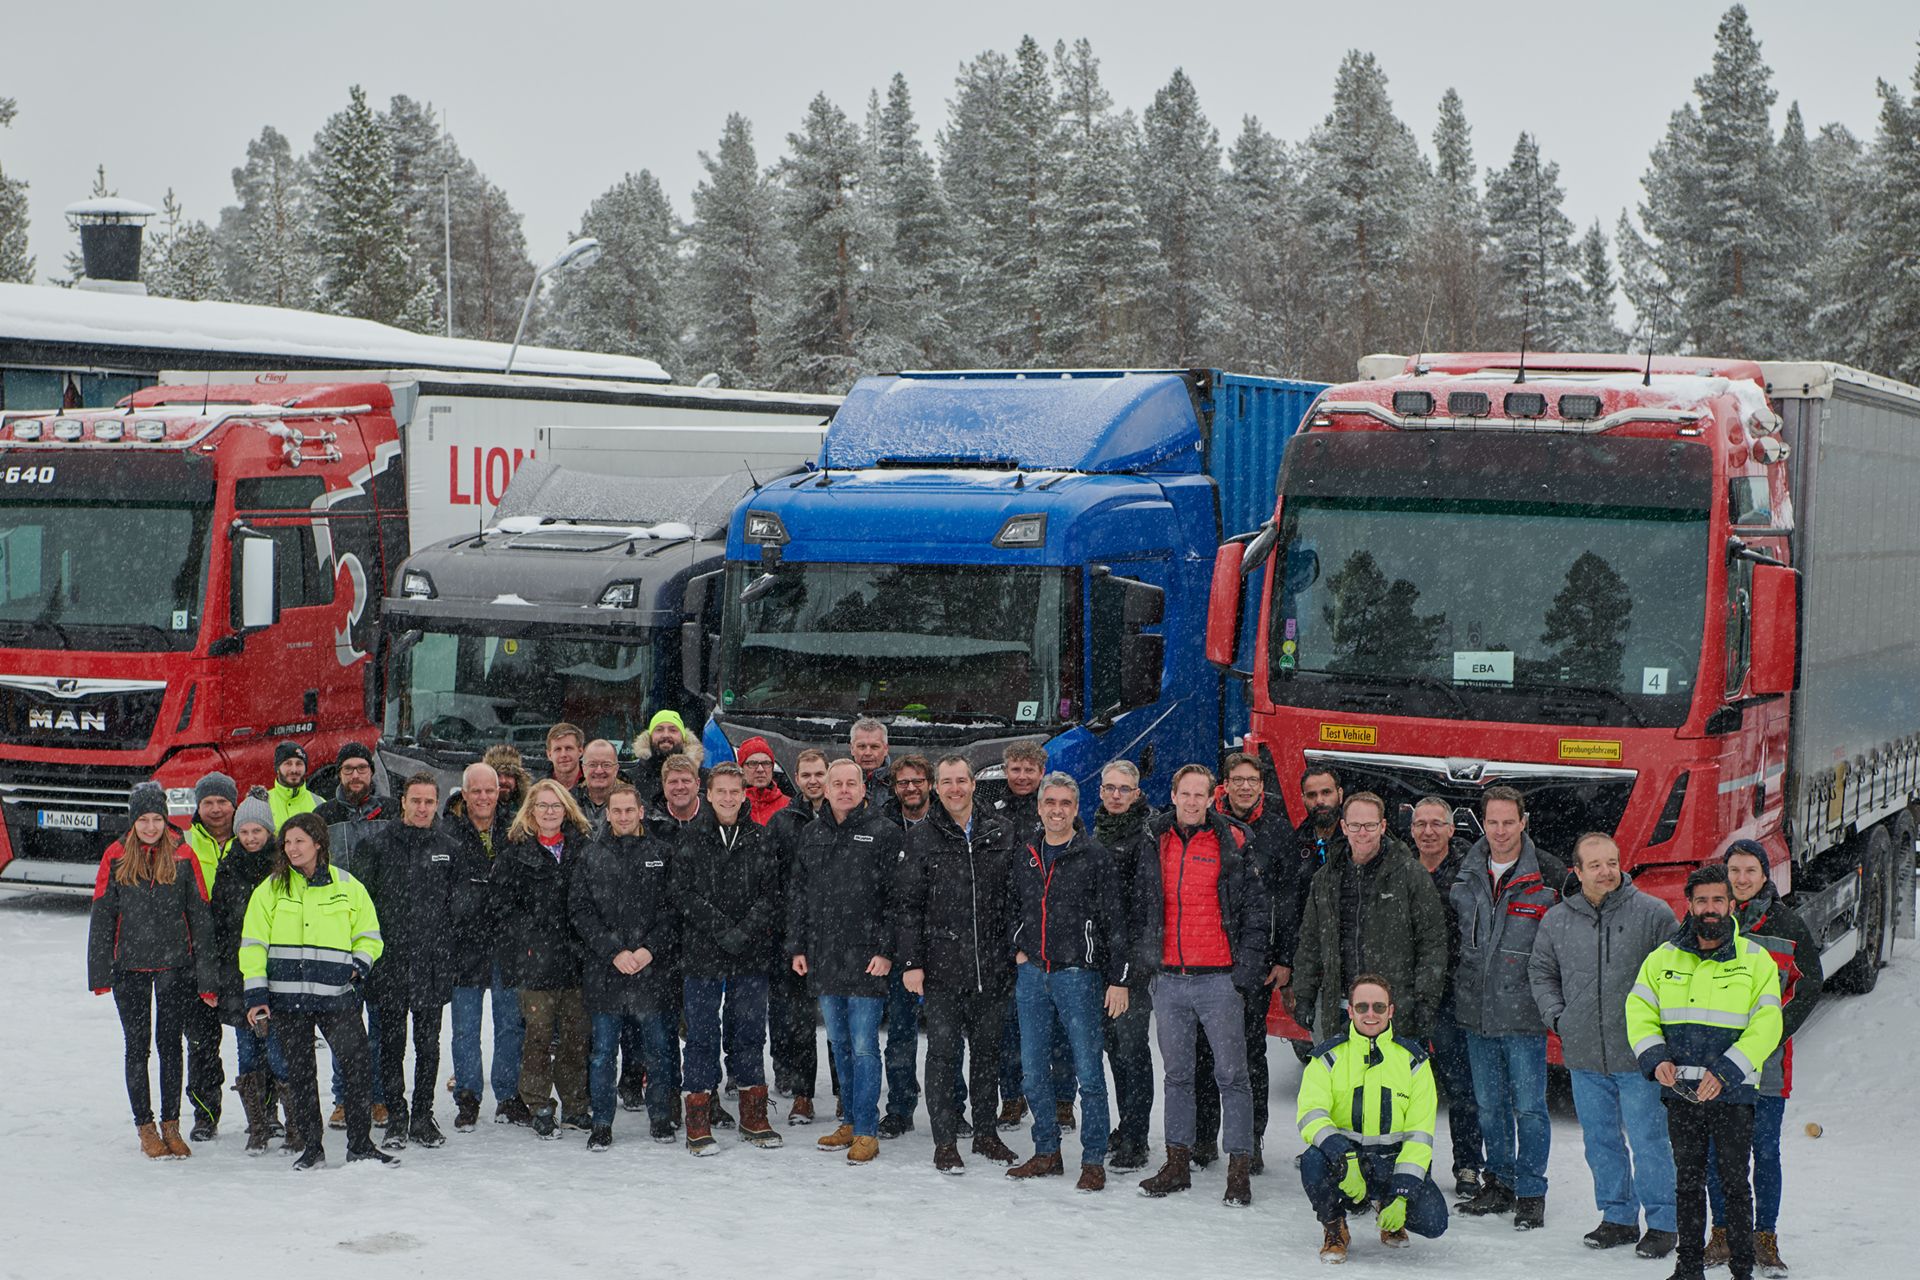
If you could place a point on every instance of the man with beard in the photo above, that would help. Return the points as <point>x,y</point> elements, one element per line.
<point>356,810</point>
<point>1703,1018</point>
<point>666,737</point>
<point>289,794</point>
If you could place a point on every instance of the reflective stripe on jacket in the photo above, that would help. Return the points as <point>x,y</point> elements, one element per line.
<point>1717,1012</point>
<point>1376,1095</point>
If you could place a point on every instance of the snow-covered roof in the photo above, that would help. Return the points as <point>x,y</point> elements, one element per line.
<point>276,336</point>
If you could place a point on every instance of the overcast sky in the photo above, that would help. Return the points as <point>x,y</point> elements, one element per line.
<point>556,101</point>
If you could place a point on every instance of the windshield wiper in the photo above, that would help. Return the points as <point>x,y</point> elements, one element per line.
<point>1588,691</point>
<point>1403,680</point>
<point>27,626</point>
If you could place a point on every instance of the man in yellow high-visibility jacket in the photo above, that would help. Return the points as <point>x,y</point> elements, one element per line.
<point>1703,1017</point>
<point>1366,1110</point>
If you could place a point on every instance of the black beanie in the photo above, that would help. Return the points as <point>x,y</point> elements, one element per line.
<point>1752,848</point>
<point>147,798</point>
<point>289,751</point>
<point>352,751</point>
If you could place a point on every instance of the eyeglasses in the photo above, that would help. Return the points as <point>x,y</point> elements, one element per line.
<point>1370,1006</point>
<point>1116,789</point>
<point>1362,828</point>
<point>549,806</point>
<point>1253,781</point>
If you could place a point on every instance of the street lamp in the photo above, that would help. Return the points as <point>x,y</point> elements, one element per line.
<point>580,253</point>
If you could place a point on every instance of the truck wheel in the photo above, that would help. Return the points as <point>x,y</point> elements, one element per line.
<point>1874,920</point>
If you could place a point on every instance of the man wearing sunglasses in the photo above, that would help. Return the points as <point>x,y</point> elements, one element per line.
<point>1703,1018</point>
<point>1367,1108</point>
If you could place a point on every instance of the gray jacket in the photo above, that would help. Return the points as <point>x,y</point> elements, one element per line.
<point>1491,994</point>
<point>1585,961</point>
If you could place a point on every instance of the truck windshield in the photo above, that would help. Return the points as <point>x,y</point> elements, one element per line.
<point>467,691</point>
<point>944,644</point>
<point>102,575</point>
<point>1547,612</point>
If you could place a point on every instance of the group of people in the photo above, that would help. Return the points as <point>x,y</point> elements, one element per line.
<point>645,936</point>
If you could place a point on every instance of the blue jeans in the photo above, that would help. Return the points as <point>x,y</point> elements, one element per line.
<point>603,1064</point>
<point>1454,1073</point>
<point>251,1053</point>
<point>1768,1113</point>
<point>1012,1071</point>
<point>509,1037</point>
<point>379,1098</point>
<point>1510,1086</point>
<point>853,1037</point>
<point>1620,1112</point>
<point>745,1032</point>
<point>1426,1208</point>
<point>903,1048</point>
<point>1075,996</point>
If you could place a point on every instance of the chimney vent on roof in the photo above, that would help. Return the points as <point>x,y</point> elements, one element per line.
<point>110,232</point>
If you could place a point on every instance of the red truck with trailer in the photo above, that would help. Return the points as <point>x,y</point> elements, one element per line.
<point>1672,599</point>
<point>190,577</point>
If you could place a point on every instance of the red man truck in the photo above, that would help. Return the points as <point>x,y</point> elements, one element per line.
<point>189,578</point>
<point>1670,599</point>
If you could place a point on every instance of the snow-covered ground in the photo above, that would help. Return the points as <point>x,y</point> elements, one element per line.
<point>77,1199</point>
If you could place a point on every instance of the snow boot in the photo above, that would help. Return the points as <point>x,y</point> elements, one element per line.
<point>1719,1253</point>
<point>314,1157</point>
<point>373,1153</point>
<point>801,1112</point>
<point>946,1158</point>
<point>1766,1255</point>
<point>466,1114</point>
<point>1174,1175</point>
<point>291,1141</point>
<point>152,1145</point>
<point>893,1126</point>
<point>1239,1182</point>
<point>338,1118</point>
<point>1042,1164</point>
<point>1205,1152</point>
<point>424,1131</point>
<point>1656,1244</point>
<point>380,1115</point>
<point>699,1132</point>
<point>1333,1244</point>
<point>1493,1197</point>
<point>396,1136</point>
<point>662,1131</point>
<point>543,1125</point>
<point>1012,1112</point>
<point>1093,1177</point>
<point>253,1090</point>
<point>176,1145</point>
<point>1529,1213</point>
<point>753,1118</point>
<point>1396,1239</point>
<point>962,1129</point>
<point>988,1146</point>
<point>1611,1235</point>
<point>1063,1115</point>
<point>513,1111</point>
<point>863,1149</point>
<point>1466,1183</point>
<point>206,1125</point>
<point>838,1140</point>
<point>601,1138</point>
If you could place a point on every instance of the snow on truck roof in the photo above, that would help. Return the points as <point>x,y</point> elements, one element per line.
<point>274,335</point>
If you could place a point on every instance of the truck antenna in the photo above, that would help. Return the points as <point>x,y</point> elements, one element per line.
<point>1647,379</point>
<point>1526,324</point>
<point>206,393</point>
<point>749,466</point>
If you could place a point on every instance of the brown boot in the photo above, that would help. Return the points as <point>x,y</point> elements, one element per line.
<point>946,1158</point>
<point>1766,1254</point>
<point>1239,1181</point>
<point>863,1149</point>
<point>1041,1165</point>
<point>1333,1246</point>
<point>1093,1177</point>
<point>255,1099</point>
<point>176,1145</point>
<point>1012,1112</point>
<point>840,1138</point>
<point>988,1145</point>
<point>152,1145</point>
<point>801,1112</point>
<point>699,1128</point>
<point>1719,1252</point>
<point>753,1118</point>
<point>1173,1176</point>
<point>1063,1115</point>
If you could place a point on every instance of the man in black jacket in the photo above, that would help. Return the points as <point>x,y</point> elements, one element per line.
<point>356,810</point>
<point>792,1016</point>
<point>1120,825</point>
<point>1441,852</point>
<point>621,905</point>
<point>956,928</point>
<point>1070,941</point>
<point>476,823</point>
<point>407,868</point>
<point>840,936</point>
<point>726,888</point>
<point>907,807</point>
<point>1023,764</point>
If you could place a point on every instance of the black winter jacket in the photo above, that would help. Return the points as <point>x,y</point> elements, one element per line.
<point>409,874</point>
<point>538,950</point>
<point>955,904</point>
<point>151,926</point>
<point>1274,860</point>
<point>1067,908</point>
<point>1245,910</point>
<point>240,874</point>
<point>840,902</point>
<point>1020,813</point>
<point>475,914</point>
<point>1124,835</point>
<point>621,899</point>
<point>726,887</point>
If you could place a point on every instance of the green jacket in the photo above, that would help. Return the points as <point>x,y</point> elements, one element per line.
<point>209,851</point>
<point>307,947</point>
<point>1718,1011</point>
<point>1403,938</point>
<point>1375,1096</point>
<point>285,802</point>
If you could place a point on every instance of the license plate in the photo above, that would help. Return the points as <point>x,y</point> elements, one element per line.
<point>67,820</point>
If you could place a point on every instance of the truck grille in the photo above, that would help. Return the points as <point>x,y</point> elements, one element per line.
<point>1564,802</point>
<point>109,715</point>
<point>25,794</point>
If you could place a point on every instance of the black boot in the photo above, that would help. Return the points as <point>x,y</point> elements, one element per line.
<point>1493,1197</point>
<point>396,1137</point>
<point>1529,1213</point>
<point>466,1111</point>
<point>314,1157</point>
<point>424,1131</point>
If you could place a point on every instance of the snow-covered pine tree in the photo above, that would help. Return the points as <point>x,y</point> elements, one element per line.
<point>828,320</point>
<point>16,264</point>
<point>1593,327</point>
<point>182,256</point>
<point>1101,275</point>
<point>1453,241</point>
<point>626,302</point>
<point>1019,252</point>
<point>491,270</point>
<point>919,274</point>
<point>973,170</point>
<point>1878,275</point>
<point>1261,258</point>
<point>1180,194</point>
<point>266,238</point>
<point>1364,178</point>
<point>366,269</point>
<point>1530,248</point>
<point>731,284</point>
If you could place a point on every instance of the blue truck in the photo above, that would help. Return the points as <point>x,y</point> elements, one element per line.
<point>980,558</point>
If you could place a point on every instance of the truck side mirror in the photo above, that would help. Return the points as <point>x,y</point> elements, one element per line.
<point>697,644</point>
<point>1141,659</point>
<point>1776,625</point>
<point>259,581</point>
<point>1223,604</point>
<point>1143,606</point>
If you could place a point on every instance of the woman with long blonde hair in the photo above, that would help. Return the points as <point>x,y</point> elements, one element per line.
<point>150,943</point>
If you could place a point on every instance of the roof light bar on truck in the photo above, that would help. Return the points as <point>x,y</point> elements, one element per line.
<point>1324,412</point>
